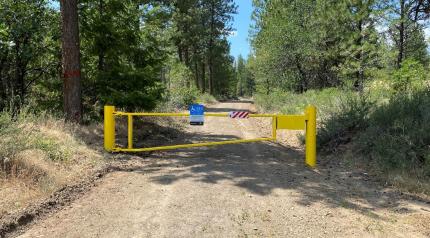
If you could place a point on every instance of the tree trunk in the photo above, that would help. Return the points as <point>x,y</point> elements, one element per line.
<point>71,61</point>
<point>400,56</point>
<point>203,77</point>
<point>359,83</point>
<point>101,61</point>
<point>196,70</point>
<point>211,45</point>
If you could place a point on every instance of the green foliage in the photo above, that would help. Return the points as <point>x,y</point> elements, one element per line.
<point>200,38</point>
<point>326,101</point>
<point>409,77</point>
<point>125,49</point>
<point>20,133</point>
<point>416,47</point>
<point>183,97</point>
<point>180,92</point>
<point>29,49</point>
<point>123,58</point>
<point>179,75</point>
<point>130,89</point>
<point>301,45</point>
<point>245,81</point>
<point>397,136</point>
<point>345,122</point>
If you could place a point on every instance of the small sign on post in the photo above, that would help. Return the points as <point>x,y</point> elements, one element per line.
<point>197,114</point>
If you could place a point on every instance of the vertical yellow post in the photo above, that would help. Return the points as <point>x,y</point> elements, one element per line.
<point>130,131</point>
<point>311,136</point>
<point>109,128</point>
<point>274,127</point>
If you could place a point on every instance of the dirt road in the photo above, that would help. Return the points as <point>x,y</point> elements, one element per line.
<point>245,190</point>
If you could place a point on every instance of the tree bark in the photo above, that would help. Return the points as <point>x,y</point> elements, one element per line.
<point>400,56</point>
<point>101,61</point>
<point>71,61</point>
<point>359,83</point>
<point>211,45</point>
<point>203,77</point>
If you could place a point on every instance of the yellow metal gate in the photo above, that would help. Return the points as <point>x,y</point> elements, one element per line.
<point>306,122</point>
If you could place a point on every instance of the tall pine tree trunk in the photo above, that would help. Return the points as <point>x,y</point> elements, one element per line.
<point>101,61</point>
<point>211,46</point>
<point>71,61</point>
<point>203,77</point>
<point>400,55</point>
<point>359,83</point>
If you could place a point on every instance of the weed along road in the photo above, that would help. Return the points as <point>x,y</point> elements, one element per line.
<point>259,189</point>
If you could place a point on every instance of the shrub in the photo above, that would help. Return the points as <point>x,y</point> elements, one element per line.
<point>398,135</point>
<point>351,117</point>
<point>410,77</point>
<point>179,94</point>
<point>23,132</point>
<point>206,98</point>
<point>182,97</point>
<point>326,101</point>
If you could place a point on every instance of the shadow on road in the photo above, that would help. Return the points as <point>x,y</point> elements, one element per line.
<point>260,168</point>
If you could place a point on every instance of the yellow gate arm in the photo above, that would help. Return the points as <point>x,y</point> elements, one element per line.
<point>306,122</point>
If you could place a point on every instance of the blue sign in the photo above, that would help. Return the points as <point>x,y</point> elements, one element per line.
<point>197,112</point>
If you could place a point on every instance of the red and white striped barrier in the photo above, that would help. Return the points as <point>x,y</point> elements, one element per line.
<point>239,114</point>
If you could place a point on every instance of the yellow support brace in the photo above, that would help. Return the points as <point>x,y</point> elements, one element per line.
<point>171,147</point>
<point>311,136</point>
<point>109,128</point>
<point>163,114</point>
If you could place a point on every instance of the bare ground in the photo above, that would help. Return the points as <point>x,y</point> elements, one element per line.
<point>245,190</point>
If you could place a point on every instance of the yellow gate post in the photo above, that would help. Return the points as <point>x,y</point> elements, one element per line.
<point>109,128</point>
<point>130,131</point>
<point>311,136</point>
<point>274,127</point>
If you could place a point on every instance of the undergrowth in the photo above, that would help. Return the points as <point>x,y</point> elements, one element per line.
<point>33,131</point>
<point>387,129</point>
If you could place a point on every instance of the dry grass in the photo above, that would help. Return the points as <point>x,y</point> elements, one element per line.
<point>39,155</point>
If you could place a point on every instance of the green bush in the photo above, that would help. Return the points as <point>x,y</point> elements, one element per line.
<point>398,136</point>
<point>129,88</point>
<point>410,77</point>
<point>326,101</point>
<point>350,118</point>
<point>179,94</point>
<point>182,97</point>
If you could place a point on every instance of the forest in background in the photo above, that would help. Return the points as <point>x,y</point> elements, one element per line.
<point>133,54</point>
<point>302,45</point>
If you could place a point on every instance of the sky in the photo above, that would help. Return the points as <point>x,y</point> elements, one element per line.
<point>239,37</point>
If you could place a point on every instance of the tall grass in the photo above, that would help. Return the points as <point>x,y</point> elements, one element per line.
<point>326,100</point>
<point>25,132</point>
